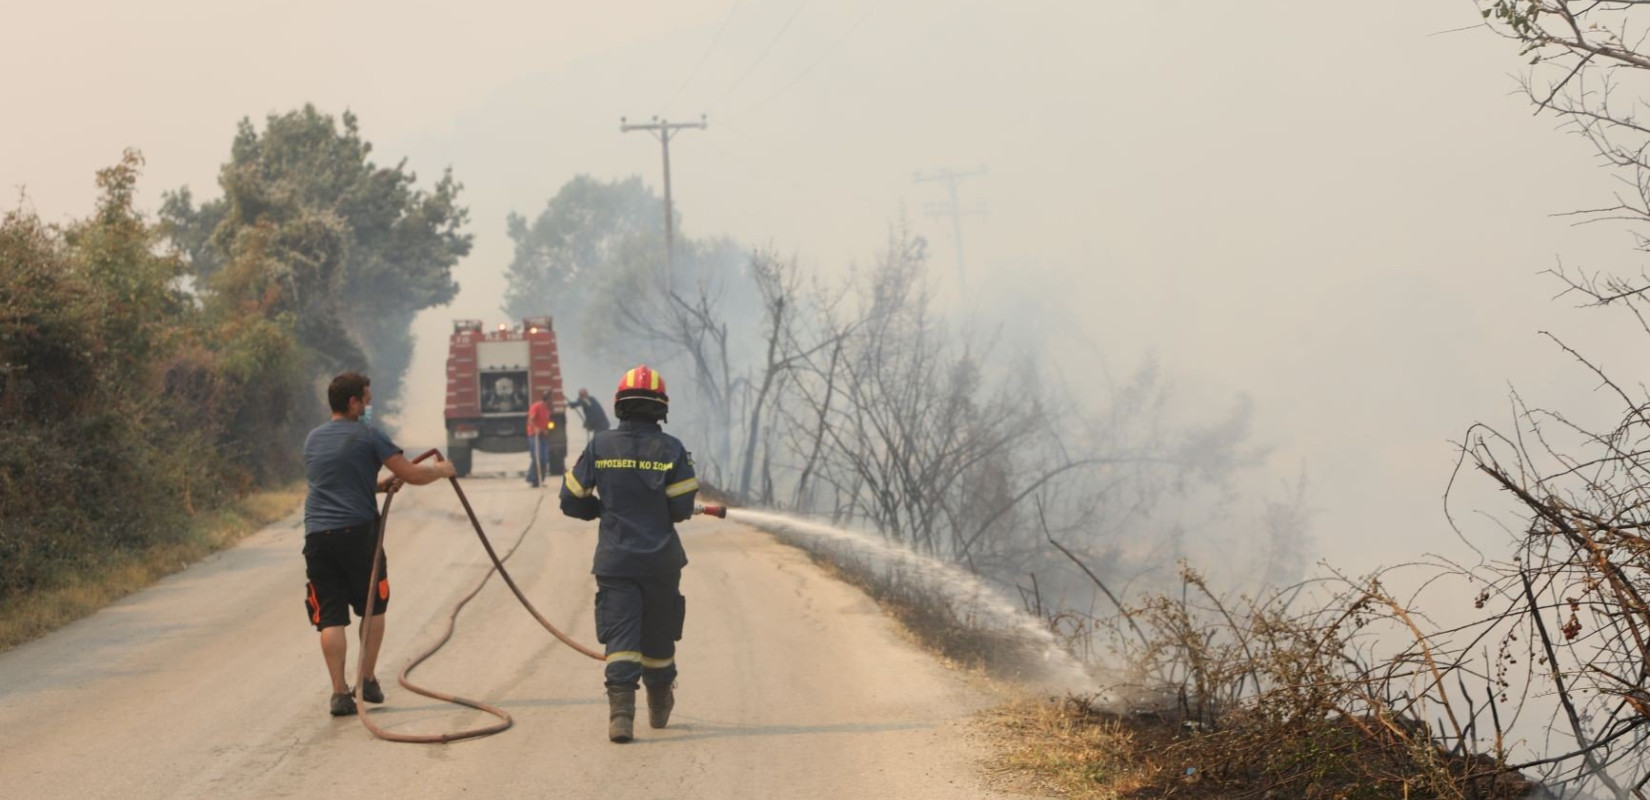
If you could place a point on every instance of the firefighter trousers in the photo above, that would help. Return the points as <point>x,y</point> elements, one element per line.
<point>640,621</point>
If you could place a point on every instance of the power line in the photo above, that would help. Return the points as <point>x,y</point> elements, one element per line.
<point>810,68</point>
<point>764,55</point>
<point>706,57</point>
<point>742,162</point>
<point>754,145</point>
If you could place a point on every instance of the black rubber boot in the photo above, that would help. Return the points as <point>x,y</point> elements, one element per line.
<point>660,700</point>
<point>621,714</point>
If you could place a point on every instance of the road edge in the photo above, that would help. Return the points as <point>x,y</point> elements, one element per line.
<point>85,591</point>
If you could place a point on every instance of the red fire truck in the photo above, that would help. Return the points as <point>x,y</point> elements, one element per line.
<point>493,376</point>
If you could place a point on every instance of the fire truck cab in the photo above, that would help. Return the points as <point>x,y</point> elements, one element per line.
<point>493,377</point>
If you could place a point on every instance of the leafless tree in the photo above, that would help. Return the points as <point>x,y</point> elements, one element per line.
<point>898,418</point>
<point>687,323</point>
<point>1588,65</point>
<point>790,339</point>
<point>1582,569</point>
<point>903,421</point>
<point>1576,586</point>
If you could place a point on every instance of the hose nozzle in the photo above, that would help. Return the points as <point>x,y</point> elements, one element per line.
<point>712,511</point>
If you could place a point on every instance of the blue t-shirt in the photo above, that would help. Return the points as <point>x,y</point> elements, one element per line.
<point>342,459</point>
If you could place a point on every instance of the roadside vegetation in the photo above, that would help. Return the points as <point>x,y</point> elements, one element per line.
<point>347,250</point>
<point>78,592</point>
<point>866,402</point>
<point>157,375</point>
<point>127,407</point>
<point>863,404</point>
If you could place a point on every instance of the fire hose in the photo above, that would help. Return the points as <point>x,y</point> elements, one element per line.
<point>505,720</point>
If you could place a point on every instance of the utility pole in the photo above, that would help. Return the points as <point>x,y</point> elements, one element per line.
<point>662,130</point>
<point>953,207</point>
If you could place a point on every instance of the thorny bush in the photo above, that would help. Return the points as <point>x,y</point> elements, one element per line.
<point>1325,690</point>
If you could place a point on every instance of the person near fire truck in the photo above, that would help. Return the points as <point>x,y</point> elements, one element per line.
<point>539,426</point>
<point>595,419</point>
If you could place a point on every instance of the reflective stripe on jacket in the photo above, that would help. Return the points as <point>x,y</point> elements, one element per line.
<point>639,481</point>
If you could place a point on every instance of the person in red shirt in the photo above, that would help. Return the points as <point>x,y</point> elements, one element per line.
<point>538,439</point>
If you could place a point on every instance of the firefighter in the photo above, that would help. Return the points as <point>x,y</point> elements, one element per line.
<point>639,481</point>
<point>538,439</point>
<point>595,420</point>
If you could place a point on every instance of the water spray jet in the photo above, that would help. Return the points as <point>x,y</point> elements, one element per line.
<point>1058,669</point>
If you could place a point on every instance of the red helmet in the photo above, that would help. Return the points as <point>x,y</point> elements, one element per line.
<point>642,383</point>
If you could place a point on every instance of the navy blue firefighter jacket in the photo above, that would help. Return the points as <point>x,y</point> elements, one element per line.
<point>639,480</point>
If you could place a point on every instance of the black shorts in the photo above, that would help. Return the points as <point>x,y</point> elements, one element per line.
<point>339,565</point>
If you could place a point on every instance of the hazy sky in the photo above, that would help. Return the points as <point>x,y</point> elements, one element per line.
<point>1334,208</point>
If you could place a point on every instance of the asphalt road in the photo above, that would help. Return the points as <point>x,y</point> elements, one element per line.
<point>210,683</point>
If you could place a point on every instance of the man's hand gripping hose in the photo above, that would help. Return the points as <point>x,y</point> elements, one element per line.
<point>505,720</point>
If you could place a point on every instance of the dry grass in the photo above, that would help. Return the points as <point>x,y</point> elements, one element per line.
<point>1070,748</point>
<point>1065,748</point>
<point>1234,701</point>
<point>86,591</point>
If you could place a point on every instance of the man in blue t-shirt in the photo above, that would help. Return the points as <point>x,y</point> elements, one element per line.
<point>341,459</point>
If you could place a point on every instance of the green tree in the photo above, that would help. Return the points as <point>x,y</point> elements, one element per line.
<point>127,405</point>
<point>565,256</point>
<point>354,248</point>
<point>594,259</point>
<point>96,454</point>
